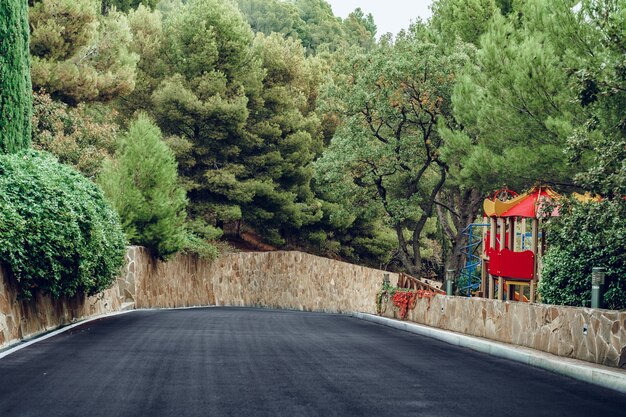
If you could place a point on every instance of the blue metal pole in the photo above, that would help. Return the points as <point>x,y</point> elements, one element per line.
<point>472,261</point>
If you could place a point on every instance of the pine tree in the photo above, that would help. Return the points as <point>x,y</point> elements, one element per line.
<point>15,84</point>
<point>463,19</point>
<point>517,101</point>
<point>143,186</point>
<point>78,55</point>
<point>278,167</point>
<point>360,29</point>
<point>272,16</point>
<point>322,28</point>
<point>209,79</point>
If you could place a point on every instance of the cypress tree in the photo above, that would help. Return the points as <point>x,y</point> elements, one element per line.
<point>15,84</point>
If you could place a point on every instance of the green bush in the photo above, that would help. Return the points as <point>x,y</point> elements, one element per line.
<point>57,233</point>
<point>199,232</point>
<point>586,236</point>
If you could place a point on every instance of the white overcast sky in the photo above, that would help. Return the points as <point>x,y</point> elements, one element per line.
<point>389,15</point>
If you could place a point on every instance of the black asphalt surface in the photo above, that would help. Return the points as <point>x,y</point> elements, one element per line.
<point>250,362</point>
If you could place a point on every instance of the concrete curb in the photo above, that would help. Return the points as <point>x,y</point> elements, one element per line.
<point>592,373</point>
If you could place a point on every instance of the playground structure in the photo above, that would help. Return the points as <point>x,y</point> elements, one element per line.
<point>513,254</point>
<point>513,243</point>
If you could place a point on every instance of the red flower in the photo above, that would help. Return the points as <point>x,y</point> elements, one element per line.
<point>405,300</point>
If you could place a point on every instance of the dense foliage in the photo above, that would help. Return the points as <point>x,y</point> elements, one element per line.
<point>239,112</point>
<point>83,137</point>
<point>589,235</point>
<point>125,5</point>
<point>58,235</point>
<point>79,55</point>
<point>312,22</point>
<point>516,100</point>
<point>15,81</point>
<point>209,78</point>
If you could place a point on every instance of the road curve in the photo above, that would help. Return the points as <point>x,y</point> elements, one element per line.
<point>240,362</point>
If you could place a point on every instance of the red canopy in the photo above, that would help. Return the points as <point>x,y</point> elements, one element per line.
<point>531,205</point>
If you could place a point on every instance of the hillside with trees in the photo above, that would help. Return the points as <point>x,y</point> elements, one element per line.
<point>207,120</point>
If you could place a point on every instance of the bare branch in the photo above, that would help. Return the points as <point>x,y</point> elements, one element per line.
<point>438,203</point>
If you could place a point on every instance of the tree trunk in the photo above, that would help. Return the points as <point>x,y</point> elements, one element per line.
<point>462,209</point>
<point>407,260</point>
<point>456,260</point>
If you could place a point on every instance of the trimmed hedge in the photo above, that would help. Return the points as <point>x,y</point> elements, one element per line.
<point>57,233</point>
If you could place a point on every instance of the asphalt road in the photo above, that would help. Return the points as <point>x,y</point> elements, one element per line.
<point>249,362</point>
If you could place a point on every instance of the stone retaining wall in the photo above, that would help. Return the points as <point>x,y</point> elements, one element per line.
<point>592,335</point>
<point>295,280</point>
<point>291,280</point>
<point>20,319</point>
